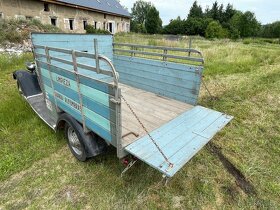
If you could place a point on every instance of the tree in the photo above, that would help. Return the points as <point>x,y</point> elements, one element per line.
<point>175,27</point>
<point>153,22</point>
<point>196,26</point>
<point>215,30</point>
<point>221,14</point>
<point>229,13</point>
<point>140,10</point>
<point>214,12</point>
<point>249,26</point>
<point>271,30</point>
<point>195,11</point>
<point>246,23</point>
<point>234,33</point>
<point>137,27</point>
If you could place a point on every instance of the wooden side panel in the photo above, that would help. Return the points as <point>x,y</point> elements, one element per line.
<point>98,110</point>
<point>180,139</point>
<point>76,42</point>
<point>61,87</point>
<point>176,81</point>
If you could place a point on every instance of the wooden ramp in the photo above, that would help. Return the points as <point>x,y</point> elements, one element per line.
<point>180,139</point>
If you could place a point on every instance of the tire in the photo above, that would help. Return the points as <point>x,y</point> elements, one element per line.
<point>75,143</point>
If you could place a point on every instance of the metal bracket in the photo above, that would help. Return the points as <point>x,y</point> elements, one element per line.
<point>128,167</point>
<point>115,101</point>
<point>131,133</point>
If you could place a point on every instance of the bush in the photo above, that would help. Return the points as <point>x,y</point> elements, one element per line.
<point>234,33</point>
<point>91,30</point>
<point>175,27</point>
<point>215,30</point>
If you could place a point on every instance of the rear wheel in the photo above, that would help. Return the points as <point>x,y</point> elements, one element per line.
<point>75,144</point>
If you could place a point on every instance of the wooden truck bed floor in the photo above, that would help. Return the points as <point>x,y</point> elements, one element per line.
<point>153,111</point>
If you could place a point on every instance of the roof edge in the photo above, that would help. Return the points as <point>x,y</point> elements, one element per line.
<point>85,8</point>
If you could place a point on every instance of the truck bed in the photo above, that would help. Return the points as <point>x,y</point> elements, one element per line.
<point>153,111</point>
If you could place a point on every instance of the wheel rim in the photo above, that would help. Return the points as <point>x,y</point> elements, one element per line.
<point>74,141</point>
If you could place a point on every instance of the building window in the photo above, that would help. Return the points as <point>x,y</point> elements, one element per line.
<point>95,25</point>
<point>46,7</point>
<point>111,27</point>
<point>105,16</point>
<point>1,15</point>
<point>85,23</point>
<point>53,21</point>
<point>71,24</point>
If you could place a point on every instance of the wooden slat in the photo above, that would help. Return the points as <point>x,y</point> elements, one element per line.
<point>179,139</point>
<point>157,47</point>
<point>176,81</point>
<point>201,60</point>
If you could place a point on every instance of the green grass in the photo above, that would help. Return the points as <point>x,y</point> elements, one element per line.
<point>24,138</point>
<point>38,171</point>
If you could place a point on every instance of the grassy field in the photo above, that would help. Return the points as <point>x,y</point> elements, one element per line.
<point>38,171</point>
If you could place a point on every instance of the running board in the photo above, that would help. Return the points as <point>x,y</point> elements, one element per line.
<point>38,104</point>
<point>180,139</point>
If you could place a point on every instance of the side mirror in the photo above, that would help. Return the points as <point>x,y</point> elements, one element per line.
<point>30,66</point>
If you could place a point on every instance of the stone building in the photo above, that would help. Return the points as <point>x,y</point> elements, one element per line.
<point>70,15</point>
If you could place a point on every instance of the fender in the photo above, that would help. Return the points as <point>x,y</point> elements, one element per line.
<point>28,82</point>
<point>94,145</point>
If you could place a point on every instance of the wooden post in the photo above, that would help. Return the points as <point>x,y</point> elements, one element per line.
<point>190,45</point>
<point>165,52</point>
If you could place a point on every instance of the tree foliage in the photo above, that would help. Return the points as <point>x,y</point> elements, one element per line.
<point>175,27</point>
<point>153,23</point>
<point>248,25</point>
<point>217,21</point>
<point>145,18</point>
<point>271,30</point>
<point>215,30</point>
<point>195,11</point>
<point>196,26</point>
<point>139,11</point>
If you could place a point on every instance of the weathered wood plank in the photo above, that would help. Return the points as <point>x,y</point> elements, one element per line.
<point>177,81</point>
<point>179,139</point>
<point>151,114</point>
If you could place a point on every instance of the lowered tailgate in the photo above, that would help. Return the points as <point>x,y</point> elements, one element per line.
<point>180,139</point>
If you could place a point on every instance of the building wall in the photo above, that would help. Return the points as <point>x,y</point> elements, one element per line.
<point>27,9</point>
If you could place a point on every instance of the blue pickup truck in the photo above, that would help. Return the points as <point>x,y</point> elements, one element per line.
<point>104,94</point>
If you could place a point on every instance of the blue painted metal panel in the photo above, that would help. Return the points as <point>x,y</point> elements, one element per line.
<point>177,81</point>
<point>179,139</point>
